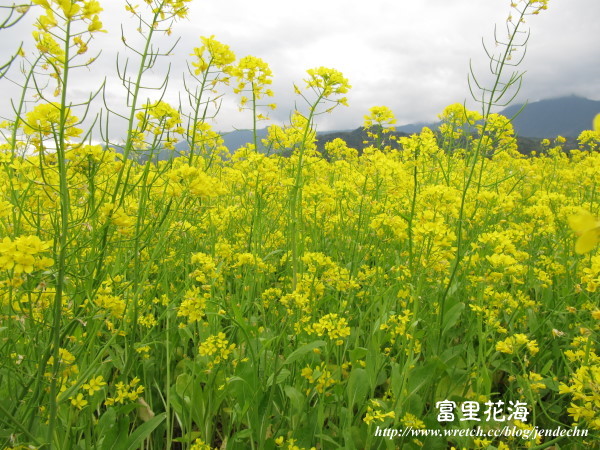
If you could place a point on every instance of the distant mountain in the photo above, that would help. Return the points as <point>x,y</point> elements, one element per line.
<point>564,116</point>
<point>239,138</point>
<point>354,138</point>
<point>233,140</point>
<point>413,128</point>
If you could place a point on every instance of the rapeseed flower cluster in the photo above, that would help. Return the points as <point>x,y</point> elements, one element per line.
<point>381,116</point>
<point>397,325</point>
<point>193,305</point>
<point>375,413</point>
<point>213,53</point>
<point>289,444</point>
<point>585,393</point>
<point>126,392</point>
<point>292,137</point>
<point>328,82</point>
<point>94,385</point>
<point>339,150</point>
<point>320,376</point>
<point>378,124</point>
<point>45,119</point>
<point>199,444</point>
<point>83,19</point>
<point>166,9</point>
<point>217,348</point>
<point>24,254</point>
<point>157,119</point>
<point>513,344</point>
<point>66,364</point>
<point>334,327</point>
<point>253,73</point>
<point>197,182</point>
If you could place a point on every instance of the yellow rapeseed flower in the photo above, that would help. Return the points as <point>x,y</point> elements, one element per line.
<point>217,347</point>
<point>22,254</point>
<point>254,74</point>
<point>45,119</point>
<point>212,52</point>
<point>94,385</point>
<point>326,83</point>
<point>78,401</point>
<point>596,123</point>
<point>587,228</point>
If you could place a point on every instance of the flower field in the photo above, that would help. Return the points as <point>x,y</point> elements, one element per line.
<point>287,298</point>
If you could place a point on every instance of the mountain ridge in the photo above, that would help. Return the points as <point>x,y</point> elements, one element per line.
<point>565,116</point>
<point>562,116</point>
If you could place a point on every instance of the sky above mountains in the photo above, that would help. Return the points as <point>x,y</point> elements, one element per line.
<point>412,56</point>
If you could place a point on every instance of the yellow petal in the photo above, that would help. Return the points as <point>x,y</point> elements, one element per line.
<point>587,241</point>
<point>597,123</point>
<point>582,222</point>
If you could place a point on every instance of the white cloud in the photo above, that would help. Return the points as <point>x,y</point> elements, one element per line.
<point>412,56</point>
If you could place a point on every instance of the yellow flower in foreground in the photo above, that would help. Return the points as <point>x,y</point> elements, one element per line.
<point>374,415</point>
<point>199,444</point>
<point>410,420</point>
<point>45,119</point>
<point>217,347</point>
<point>255,74</point>
<point>95,384</point>
<point>587,228</point>
<point>214,53</point>
<point>79,402</point>
<point>328,82</point>
<point>380,115</point>
<point>513,343</point>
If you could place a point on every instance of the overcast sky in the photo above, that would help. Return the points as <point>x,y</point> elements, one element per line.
<point>412,56</point>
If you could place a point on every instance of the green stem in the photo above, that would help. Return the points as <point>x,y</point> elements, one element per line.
<point>296,195</point>
<point>126,152</point>
<point>62,237</point>
<point>460,238</point>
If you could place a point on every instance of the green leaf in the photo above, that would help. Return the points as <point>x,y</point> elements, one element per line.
<point>281,376</point>
<point>358,386</point>
<point>119,435</point>
<point>420,377</point>
<point>452,316</point>
<point>300,352</point>
<point>107,428</point>
<point>182,384</point>
<point>296,397</point>
<point>188,438</point>
<point>143,431</point>
<point>547,367</point>
<point>328,439</point>
<point>241,435</point>
<point>358,353</point>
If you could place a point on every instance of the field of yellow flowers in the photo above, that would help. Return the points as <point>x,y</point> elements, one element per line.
<point>255,301</point>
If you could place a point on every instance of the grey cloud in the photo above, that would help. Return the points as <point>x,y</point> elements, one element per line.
<point>410,56</point>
